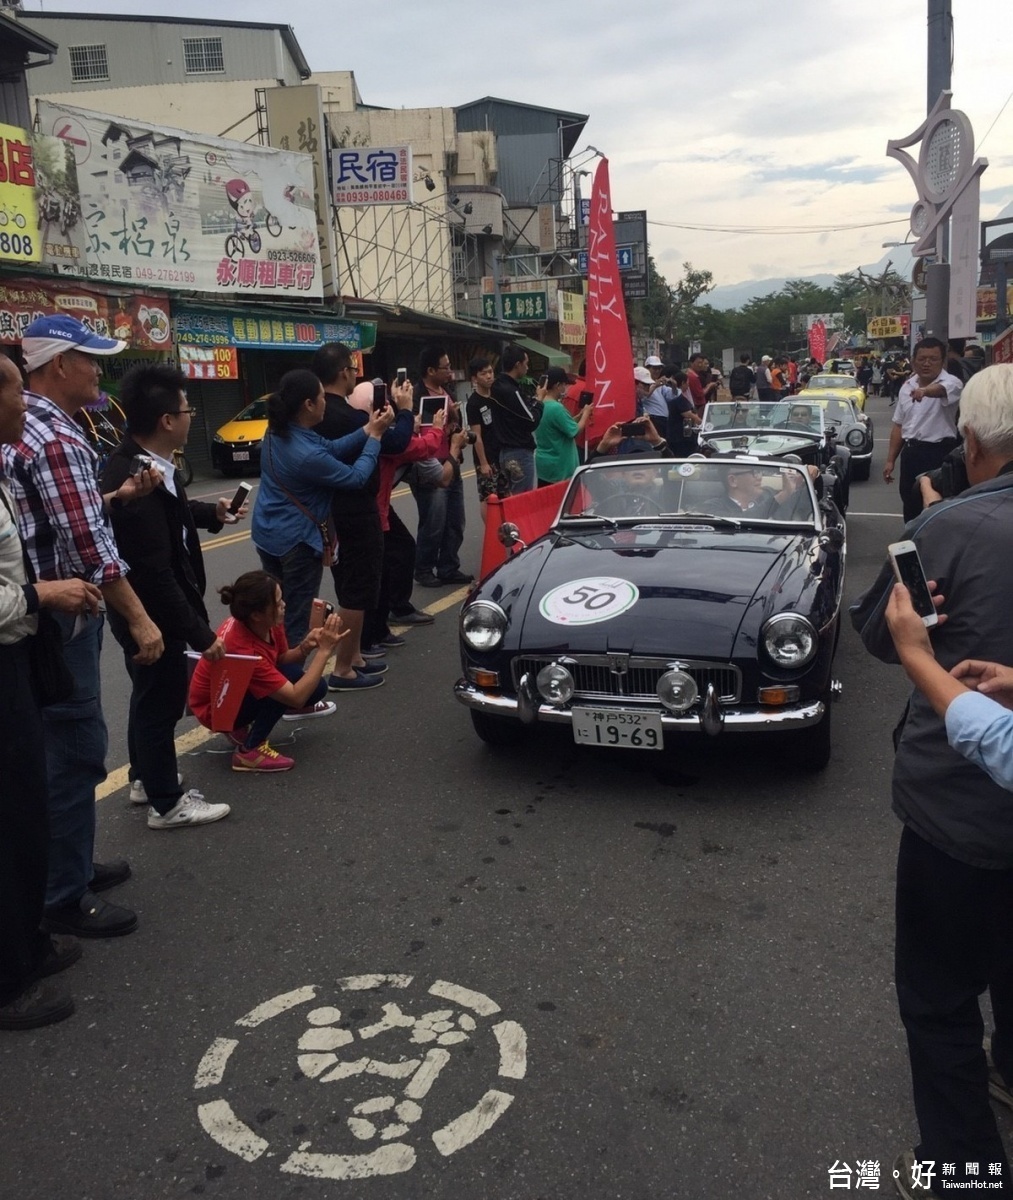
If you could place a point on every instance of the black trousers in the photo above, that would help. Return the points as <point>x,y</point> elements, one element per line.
<point>157,703</point>
<point>24,830</point>
<point>954,940</point>
<point>915,459</point>
<point>396,581</point>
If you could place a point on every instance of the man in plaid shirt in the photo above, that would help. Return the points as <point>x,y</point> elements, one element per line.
<point>53,476</point>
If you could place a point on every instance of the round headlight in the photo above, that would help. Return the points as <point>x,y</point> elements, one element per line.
<point>855,438</point>
<point>677,691</point>
<point>790,640</point>
<point>555,684</point>
<point>483,625</point>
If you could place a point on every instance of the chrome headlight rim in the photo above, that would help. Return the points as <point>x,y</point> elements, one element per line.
<point>775,625</point>
<point>494,629</point>
<point>564,678</point>
<point>855,439</point>
<point>678,677</point>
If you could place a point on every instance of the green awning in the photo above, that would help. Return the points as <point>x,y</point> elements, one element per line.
<point>554,357</point>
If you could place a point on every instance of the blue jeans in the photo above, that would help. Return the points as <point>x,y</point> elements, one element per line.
<point>76,744</point>
<point>441,528</point>
<point>299,571</point>
<point>263,714</point>
<point>519,467</point>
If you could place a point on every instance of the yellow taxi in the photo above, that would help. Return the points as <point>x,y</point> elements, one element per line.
<point>235,448</point>
<point>844,386</point>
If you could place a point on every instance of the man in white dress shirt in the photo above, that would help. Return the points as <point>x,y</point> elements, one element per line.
<point>924,428</point>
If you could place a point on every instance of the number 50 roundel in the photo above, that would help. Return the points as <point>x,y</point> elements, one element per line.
<point>588,601</point>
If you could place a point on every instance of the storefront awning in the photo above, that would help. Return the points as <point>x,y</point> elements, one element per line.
<point>554,357</point>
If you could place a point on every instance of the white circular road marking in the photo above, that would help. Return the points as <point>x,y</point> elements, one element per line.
<point>377,1049</point>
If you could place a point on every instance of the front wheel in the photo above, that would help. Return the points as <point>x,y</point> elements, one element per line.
<point>496,731</point>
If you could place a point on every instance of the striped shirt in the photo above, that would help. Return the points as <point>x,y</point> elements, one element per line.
<point>53,477</point>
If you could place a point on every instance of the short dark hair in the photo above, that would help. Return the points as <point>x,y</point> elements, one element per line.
<point>149,391</point>
<point>930,343</point>
<point>744,358</point>
<point>696,357</point>
<point>330,360</point>
<point>295,388</point>
<point>957,345</point>
<point>512,355</point>
<point>479,363</point>
<point>251,593</point>
<point>430,357</point>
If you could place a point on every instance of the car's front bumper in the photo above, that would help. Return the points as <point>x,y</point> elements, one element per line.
<point>734,719</point>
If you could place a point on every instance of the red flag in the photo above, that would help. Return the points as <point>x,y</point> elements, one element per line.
<point>609,353</point>
<point>229,679</point>
<point>817,341</point>
<point>532,513</point>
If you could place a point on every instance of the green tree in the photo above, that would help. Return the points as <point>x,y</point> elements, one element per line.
<point>667,313</point>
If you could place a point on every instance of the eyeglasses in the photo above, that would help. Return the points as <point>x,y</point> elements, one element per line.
<point>191,411</point>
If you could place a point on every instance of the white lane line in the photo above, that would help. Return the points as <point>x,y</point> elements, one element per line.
<point>365,983</point>
<point>513,1049</point>
<point>223,1126</point>
<point>212,1065</point>
<point>463,1130</point>
<point>476,1001</point>
<point>277,1005</point>
<point>385,1160</point>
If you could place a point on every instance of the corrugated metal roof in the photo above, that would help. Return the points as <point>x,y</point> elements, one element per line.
<point>513,116</point>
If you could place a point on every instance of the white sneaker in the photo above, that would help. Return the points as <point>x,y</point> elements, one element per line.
<point>190,809</point>
<point>322,708</point>
<point>139,796</point>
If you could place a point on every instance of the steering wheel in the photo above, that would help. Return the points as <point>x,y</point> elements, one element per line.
<point>627,504</point>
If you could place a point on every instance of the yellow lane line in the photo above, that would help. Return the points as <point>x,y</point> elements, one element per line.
<point>189,741</point>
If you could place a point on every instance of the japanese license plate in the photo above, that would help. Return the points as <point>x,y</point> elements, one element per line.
<point>240,456</point>
<point>602,727</point>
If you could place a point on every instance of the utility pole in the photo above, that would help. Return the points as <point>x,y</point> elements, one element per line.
<point>937,274</point>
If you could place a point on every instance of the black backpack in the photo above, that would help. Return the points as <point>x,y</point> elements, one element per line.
<point>740,380</point>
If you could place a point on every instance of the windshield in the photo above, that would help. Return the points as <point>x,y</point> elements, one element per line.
<point>794,415</point>
<point>826,383</point>
<point>740,489</point>
<point>257,411</point>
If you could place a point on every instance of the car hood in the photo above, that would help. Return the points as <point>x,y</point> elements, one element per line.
<point>692,598</point>
<point>243,431</point>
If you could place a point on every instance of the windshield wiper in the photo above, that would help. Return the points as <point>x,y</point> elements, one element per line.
<point>576,539</point>
<point>591,519</point>
<point>728,522</point>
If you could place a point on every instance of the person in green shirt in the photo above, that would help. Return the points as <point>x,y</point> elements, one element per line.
<point>556,456</point>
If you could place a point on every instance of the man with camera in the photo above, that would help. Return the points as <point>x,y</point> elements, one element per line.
<point>514,420</point>
<point>954,889</point>
<point>53,475</point>
<point>157,535</point>
<point>924,428</point>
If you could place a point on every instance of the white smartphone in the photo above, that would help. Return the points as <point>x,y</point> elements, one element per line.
<point>907,566</point>
<point>402,376</point>
<point>239,499</point>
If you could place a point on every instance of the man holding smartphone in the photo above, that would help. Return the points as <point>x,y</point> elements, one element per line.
<point>157,535</point>
<point>954,891</point>
<point>514,420</point>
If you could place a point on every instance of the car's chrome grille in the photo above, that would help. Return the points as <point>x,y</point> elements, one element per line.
<point>619,676</point>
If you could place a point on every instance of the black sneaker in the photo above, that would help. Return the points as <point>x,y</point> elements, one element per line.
<point>90,917</point>
<point>456,577</point>
<point>415,617</point>
<point>35,1007</point>
<point>428,580</point>
<point>62,952</point>
<point>109,875</point>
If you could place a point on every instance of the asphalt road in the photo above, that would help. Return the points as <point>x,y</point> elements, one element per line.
<point>602,975</point>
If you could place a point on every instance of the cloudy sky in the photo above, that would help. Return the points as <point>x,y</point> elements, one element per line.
<point>738,114</point>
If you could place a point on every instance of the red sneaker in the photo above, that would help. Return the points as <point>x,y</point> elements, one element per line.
<point>263,758</point>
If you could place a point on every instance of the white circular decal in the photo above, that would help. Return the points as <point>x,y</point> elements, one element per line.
<point>686,470</point>
<point>375,1071</point>
<point>588,601</point>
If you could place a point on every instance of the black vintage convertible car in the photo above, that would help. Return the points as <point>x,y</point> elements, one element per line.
<point>792,429</point>
<point>670,598</point>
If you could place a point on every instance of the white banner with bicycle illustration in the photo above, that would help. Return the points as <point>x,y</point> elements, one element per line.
<point>162,207</point>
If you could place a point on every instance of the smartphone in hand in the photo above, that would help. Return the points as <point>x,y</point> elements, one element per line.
<point>907,566</point>
<point>239,499</point>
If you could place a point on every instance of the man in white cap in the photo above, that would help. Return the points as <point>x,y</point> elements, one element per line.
<point>53,477</point>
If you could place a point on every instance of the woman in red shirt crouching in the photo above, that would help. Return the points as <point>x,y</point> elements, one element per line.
<point>285,683</point>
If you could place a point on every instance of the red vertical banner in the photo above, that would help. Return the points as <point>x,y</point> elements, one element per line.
<point>609,352</point>
<point>817,341</point>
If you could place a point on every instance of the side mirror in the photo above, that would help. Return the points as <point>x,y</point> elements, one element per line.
<point>510,536</point>
<point>832,538</point>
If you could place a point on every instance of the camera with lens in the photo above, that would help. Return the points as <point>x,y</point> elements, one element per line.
<point>470,436</point>
<point>950,477</point>
<point>141,462</point>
